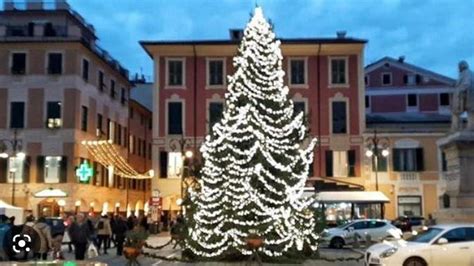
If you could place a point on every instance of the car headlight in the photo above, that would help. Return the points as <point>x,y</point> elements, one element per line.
<point>389,252</point>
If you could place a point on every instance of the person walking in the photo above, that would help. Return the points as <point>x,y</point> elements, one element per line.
<point>120,229</point>
<point>80,233</point>
<point>104,231</point>
<point>46,241</point>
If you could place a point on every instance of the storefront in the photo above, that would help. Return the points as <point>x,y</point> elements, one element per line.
<point>341,206</point>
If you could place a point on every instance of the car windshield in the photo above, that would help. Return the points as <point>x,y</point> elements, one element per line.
<point>425,236</point>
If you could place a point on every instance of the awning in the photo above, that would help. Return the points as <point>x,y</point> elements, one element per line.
<point>105,153</point>
<point>350,196</point>
<point>50,193</point>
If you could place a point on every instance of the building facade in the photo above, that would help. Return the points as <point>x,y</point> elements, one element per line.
<point>409,107</point>
<point>325,77</point>
<point>58,88</point>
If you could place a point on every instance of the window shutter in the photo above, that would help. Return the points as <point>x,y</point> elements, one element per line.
<point>94,176</point>
<point>418,79</point>
<point>420,165</point>
<point>405,79</point>
<point>163,164</point>
<point>40,169</point>
<point>63,171</point>
<point>396,160</point>
<point>3,170</point>
<point>329,163</point>
<point>351,158</point>
<point>26,169</point>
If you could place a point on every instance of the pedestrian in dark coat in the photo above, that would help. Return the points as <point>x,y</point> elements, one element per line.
<point>120,228</point>
<point>80,233</point>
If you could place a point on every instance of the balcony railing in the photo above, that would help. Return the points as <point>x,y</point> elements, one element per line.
<point>409,176</point>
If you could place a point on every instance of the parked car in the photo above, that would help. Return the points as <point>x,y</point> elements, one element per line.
<point>409,223</point>
<point>437,245</point>
<point>345,234</point>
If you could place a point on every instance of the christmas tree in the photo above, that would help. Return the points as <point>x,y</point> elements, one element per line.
<point>255,161</point>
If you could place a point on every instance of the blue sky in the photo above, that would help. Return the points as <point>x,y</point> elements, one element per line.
<point>433,34</point>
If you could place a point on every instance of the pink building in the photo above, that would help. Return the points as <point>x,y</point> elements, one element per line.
<point>325,76</point>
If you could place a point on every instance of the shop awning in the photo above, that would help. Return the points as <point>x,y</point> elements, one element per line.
<point>350,196</point>
<point>105,153</point>
<point>50,193</point>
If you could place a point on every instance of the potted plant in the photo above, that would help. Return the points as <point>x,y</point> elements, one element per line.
<point>254,241</point>
<point>135,240</point>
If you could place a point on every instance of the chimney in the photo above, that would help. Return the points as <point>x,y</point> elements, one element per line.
<point>236,34</point>
<point>401,59</point>
<point>61,5</point>
<point>341,34</point>
<point>8,5</point>
<point>34,4</point>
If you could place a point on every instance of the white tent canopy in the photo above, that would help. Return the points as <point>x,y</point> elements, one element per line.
<point>352,196</point>
<point>10,210</point>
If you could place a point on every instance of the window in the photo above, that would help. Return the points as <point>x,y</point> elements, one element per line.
<point>175,72</point>
<point>85,69</point>
<point>163,164</point>
<point>18,66</point>
<point>298,107</point>
<point>17,115</point>
<point>444,162</point>
<point>112,89</point>
<point>119,134</point>
<point>338,71</point>
<point>16,167</point>
<point>339,118</point>
<point>366,80</point>
<point>52,169</point>
<point>297,72</point>
<point>216,72</point>
<point>123,95</point>
<point>55,63</point>
<point>386,78</point>
<point>367,101</point>
<point>408,160</point>
<point>457,235</point>
<point>444,99</point>
<point>340,163</point>
<point>215,113</point>
<point>360,225</point>
<point>409,79</point>
<point>54,115</point>
<point>381,162</point>
<point>101,81</point>
<point>409,206</point>
<point>412,100</point>
<point>99,125</point>
<point>131,113</point>
<point>175,118</point>
<point>84,118</point>
<point>175,164</point>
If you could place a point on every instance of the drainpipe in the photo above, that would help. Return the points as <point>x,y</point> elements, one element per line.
<point>195,98</point>
<point>318,57</point>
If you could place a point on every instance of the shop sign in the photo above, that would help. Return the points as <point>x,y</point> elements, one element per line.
<point>84,172</point>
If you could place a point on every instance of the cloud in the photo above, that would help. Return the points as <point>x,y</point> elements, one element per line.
<point>434,34</point>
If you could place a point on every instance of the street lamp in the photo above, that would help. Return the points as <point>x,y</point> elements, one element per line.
<point>375,148</point>
<point>181,145</point>
<point>16,146</point>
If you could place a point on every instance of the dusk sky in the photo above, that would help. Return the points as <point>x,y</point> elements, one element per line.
<point>433,34</point>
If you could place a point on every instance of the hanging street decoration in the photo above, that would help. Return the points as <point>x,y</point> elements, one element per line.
<point>84,172</point>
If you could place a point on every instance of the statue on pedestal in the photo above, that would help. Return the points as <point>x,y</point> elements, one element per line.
<point>463,98</point>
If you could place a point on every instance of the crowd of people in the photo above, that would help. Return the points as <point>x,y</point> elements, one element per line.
<point>79,232</point>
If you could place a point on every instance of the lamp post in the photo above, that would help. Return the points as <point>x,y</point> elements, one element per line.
<point>16,146</point>
<point>375,148</point>
<point>181,145</point>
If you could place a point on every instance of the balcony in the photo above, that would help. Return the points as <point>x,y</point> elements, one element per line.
<point>409,176</point>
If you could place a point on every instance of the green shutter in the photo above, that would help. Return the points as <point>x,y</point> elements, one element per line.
<point>40,169</point>
<point>329,163</point>
<point>396,160</point>
<point>63,172</point>
<point>351,158</point>
<point>420,165</point>
<point>3,170</point>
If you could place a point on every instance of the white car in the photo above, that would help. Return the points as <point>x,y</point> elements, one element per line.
<point>378,230</point>
<point>438,245</point>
